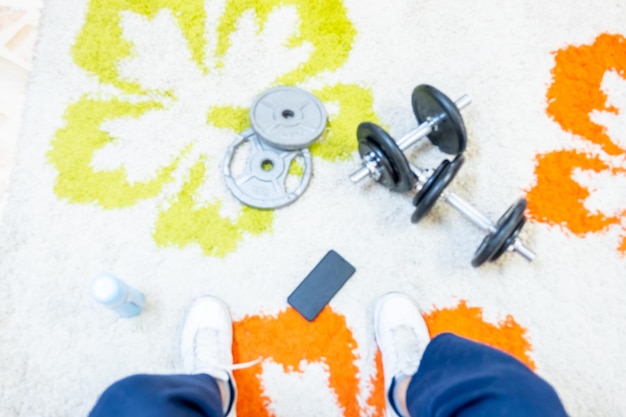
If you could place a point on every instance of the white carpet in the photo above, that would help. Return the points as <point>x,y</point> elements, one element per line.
<point>132,105</point>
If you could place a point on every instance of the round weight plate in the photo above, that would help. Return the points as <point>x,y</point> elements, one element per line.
<point>395,169</point>
<point>510,240</point>
<point>426,198</point>
<point>449,132</point>
<point>288,118</point>
<point>388,176</point>
<point>262,184</point>
<point>507,229</point>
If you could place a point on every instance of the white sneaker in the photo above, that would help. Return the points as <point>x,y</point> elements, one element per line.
<point>206,344</point>
<point>402,337</point>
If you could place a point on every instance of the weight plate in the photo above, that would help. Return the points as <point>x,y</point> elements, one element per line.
<point>510,240</point>
<point>428,195</point>
<point>395,169</point>
<point>388,176</point>
<point>288,118</point>
<point>449,133</point>
<point>507,230</point>
<point>262,184</point>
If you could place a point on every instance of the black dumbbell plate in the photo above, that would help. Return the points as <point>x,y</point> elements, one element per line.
<point>449,135</point>
<point>507,230</point>
<point>427,196</point>
<point>395,169</point>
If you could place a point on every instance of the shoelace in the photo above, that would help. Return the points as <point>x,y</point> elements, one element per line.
<point>208,353</point>
<point>408,349</point>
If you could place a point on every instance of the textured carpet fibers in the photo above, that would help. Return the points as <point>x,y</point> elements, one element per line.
<point>131,110</point>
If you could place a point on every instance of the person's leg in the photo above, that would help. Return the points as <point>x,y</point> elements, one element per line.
<point>207,390</point>
<point>459,377</point>
<point>452,376</point>
<point>161,396</point>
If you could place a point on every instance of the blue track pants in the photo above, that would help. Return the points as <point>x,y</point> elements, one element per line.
<point>456,378</point>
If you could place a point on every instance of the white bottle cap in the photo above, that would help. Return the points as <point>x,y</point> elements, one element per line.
<point>106,289</point>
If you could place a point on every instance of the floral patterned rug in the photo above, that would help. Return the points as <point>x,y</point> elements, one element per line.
<point>132,108</point>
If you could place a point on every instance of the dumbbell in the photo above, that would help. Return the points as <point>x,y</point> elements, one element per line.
<point>439,119</point>
<point>501,237</point>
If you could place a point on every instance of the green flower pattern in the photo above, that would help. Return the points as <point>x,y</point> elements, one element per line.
<point>105,49</point>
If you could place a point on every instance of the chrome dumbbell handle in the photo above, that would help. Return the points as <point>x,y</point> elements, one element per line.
<point>473,215</point>
<point>410,139</point>
<point>468,211</point>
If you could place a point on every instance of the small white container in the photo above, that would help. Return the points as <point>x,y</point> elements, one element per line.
<point>112,293</point>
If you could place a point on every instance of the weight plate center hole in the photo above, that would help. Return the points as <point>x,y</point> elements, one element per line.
<point>287,117</point>
<point>267,165</point>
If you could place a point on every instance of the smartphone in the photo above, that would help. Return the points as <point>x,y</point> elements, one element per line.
<point>320,285</point>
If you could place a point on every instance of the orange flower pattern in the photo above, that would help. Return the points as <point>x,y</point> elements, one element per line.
<point>290,341</point>
<point>576,93</point>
